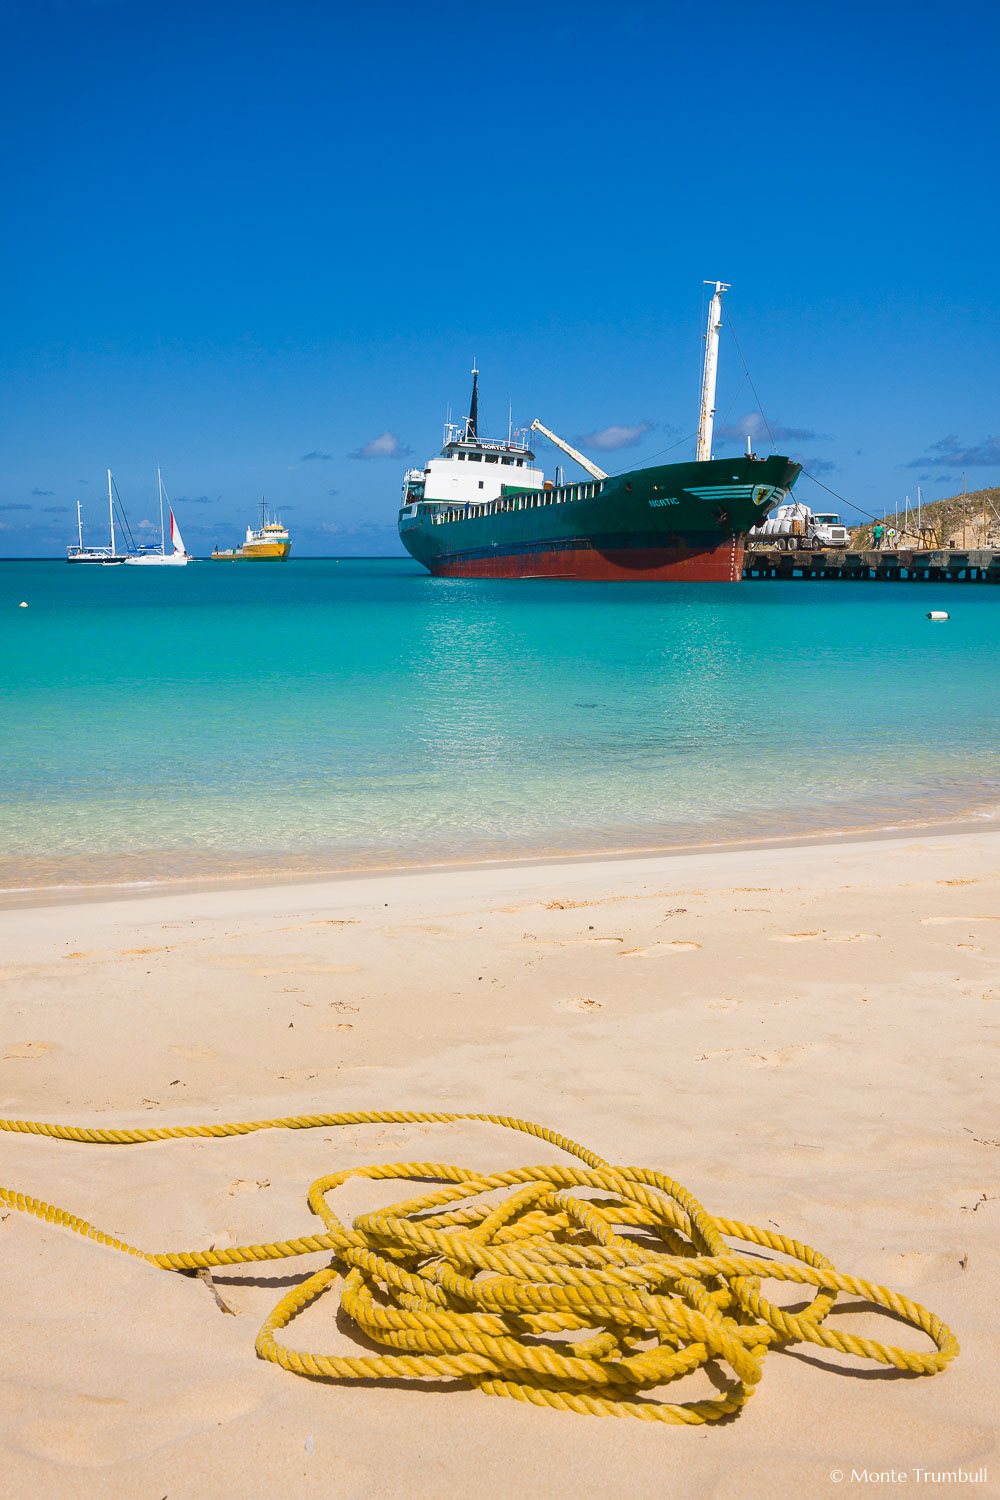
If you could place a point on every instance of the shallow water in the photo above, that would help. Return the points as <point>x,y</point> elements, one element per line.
<point>317,715</point>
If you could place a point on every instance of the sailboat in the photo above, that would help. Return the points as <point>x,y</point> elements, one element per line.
<point>151,558</point>
<point>104,555</point>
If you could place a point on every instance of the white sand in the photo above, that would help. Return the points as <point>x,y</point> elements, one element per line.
<point>805,1038</point>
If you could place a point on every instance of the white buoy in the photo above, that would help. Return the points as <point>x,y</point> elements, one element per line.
<point>938,614</point>
<point>23,604</point>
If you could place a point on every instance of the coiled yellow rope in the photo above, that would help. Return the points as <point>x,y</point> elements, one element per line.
<point>585,1288</point>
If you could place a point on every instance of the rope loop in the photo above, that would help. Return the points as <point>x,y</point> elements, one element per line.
<point>585,1288</point>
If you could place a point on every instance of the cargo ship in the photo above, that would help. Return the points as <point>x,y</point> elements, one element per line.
<point>482,509</point>
<point>270,543</point>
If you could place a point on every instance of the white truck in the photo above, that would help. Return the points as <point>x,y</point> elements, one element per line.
<point>794,527</point>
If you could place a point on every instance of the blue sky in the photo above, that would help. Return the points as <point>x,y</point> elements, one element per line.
<point>261,244</point>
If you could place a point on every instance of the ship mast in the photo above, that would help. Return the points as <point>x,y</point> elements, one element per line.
<point>706,418</point>
<point>472,420</point>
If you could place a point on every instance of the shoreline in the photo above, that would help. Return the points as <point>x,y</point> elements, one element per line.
<point>85,892</point>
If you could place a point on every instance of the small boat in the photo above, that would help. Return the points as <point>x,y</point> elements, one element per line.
<point>101,555</point>
<point>149,557</point>
<point>270,543</point>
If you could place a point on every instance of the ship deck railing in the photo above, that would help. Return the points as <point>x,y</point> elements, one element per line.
<point>446,511</point>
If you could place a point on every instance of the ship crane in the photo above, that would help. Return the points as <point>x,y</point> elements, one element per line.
<point>577,458</point>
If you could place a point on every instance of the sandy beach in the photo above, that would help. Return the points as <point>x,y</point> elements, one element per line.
<point>804,1037</point>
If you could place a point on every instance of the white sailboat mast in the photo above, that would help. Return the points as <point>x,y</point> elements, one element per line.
<point>706,419</point>
<point>111,514</point>
<point>79,523</point>
<point>163,539</point>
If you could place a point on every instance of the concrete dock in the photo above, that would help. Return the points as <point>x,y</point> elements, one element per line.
<point>905,565</point>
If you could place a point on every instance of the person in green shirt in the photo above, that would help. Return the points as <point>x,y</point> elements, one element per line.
<point>877,533</point>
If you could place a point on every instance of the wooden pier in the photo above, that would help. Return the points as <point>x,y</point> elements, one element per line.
<point>905,565</point>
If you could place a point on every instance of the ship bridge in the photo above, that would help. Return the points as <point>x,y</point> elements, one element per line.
<point>471,470</point>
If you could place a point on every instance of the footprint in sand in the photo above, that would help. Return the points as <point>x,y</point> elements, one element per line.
<point>422,929</point>
<point>96,1437</point>
<point>29,1049</point>
<point>322,922</point>
<point>910,1268</point>
<point>248,1185</point>
<point>194,1054</point>
<point>337,1026</point>
<point>657,950</point>
<point>308,969</point>
<point>570,942</point>
<point>945,921</point>
<point>778,1058</point>
<point>264,964</point>
<point>825,937</point>
<point>579,1005</point>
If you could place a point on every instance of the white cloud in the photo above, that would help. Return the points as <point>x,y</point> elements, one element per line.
<point>815,465</point>
<point>386,445</point>
<point>952,454</point>
<point>616,436</point>
<point>753,426</point>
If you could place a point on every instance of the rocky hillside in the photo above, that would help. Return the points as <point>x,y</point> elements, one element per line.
<point>942,522</point>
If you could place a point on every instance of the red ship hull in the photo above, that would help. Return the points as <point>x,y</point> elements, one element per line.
<point>676,564</point>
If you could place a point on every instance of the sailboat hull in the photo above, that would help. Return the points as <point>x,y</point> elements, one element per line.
<point>157,560</point>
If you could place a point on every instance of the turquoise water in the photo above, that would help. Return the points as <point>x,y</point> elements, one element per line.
<point>323,715</point>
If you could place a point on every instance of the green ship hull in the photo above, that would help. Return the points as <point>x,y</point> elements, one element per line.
<point>681,522</point>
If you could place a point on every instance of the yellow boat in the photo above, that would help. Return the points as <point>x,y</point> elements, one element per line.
<point>270,542</point>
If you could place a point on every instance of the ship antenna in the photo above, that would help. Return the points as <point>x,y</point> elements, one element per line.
<point>472,420</point>
<point>706,418</point>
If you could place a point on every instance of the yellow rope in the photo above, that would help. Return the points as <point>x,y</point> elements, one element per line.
<point>583,1288</point>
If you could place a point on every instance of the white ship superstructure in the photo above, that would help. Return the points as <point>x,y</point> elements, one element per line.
<point>471,471</point>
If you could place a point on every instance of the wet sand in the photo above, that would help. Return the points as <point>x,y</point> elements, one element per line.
<point>805,1037</point>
